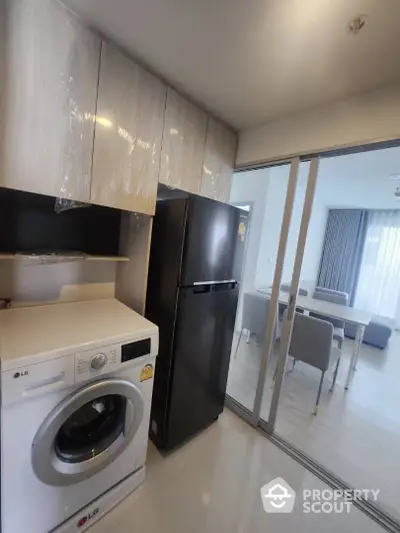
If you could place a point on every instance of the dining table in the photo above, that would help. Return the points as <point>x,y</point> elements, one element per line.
<point>344,313</point>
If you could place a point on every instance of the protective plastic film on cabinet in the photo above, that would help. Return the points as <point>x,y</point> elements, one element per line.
<point>219,160</point>
<point>183,144</point>
<point>52,65</point>
<point>129,123</point>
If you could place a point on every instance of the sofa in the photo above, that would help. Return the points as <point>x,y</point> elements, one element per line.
<point>377,333</point>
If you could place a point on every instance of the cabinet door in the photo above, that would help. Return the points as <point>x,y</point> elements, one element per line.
<point>183,144</point>
<point>219,160</point>
<point>129,122</point>
<point>50,95</point>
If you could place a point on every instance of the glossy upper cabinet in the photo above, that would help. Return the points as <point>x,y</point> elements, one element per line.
<point>127,146</point>
<point>49,90</point>
<point>219,161</point>
<point>183,144</point>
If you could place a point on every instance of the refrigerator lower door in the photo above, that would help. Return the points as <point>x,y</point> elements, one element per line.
<point>202,347</point>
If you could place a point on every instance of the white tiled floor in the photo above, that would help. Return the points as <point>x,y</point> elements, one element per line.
<point>356,433</point>
<point>212,485</point>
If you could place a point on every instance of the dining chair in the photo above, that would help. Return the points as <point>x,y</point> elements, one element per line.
<point>336,297</point>
<point>254,317</point>
<point>312,343</point>
<point>285,287</point>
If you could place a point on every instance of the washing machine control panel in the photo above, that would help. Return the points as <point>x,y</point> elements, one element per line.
<point>89,364</point>
<point>95,362</point>
<point>98,361</point>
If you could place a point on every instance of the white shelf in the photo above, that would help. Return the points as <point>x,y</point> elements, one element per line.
<point>59,258</point>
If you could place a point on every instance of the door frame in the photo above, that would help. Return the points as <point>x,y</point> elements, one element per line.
<point>246,249</point>
<point>272,313</point>
<point>294,288</point>
<point>254,417</point>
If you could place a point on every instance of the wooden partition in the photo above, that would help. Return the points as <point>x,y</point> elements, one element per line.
<point>131,279</point>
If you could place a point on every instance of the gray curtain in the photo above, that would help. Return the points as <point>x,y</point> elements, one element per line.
<point>342,250</point>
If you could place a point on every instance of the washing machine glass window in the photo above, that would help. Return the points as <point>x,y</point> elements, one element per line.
<point>91,429</point>
<point>87,431</point>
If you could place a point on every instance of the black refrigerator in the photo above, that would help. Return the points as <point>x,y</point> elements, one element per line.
<point>195,266</point>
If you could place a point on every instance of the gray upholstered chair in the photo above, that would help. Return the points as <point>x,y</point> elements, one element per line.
<point>311,343</point>
<point>285,287</point>
<point>336,297</point>
<point>254,316</point>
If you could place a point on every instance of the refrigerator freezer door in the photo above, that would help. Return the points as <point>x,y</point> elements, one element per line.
<point>210,241</point>
<point>203,339</point>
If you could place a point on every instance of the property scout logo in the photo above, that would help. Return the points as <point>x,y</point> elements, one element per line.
<point>277,496</point>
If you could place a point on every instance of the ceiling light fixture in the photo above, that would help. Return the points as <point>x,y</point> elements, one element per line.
<point>357,24</point>
<point>394,177</point>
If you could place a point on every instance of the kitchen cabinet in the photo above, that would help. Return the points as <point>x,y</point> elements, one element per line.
<point>50,76</point>
<point>219,161</point>
<point>183,144</point>
<point>129,125</point>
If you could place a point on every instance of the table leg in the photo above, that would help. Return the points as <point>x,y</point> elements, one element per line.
<point>356,351</point>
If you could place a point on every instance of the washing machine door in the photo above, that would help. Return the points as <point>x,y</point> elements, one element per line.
<point>87,431</point>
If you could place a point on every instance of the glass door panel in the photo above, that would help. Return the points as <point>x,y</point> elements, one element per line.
<point>353,431</point>
<point>267,195</point>
<point>284,292</point>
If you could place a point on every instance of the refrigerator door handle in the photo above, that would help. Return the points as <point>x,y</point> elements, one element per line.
<point>214,282</point>
<point>201,289</point>
<point>214,287</point>
<point>222,287</point>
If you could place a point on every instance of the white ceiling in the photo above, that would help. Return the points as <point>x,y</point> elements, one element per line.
<point>250,61</point>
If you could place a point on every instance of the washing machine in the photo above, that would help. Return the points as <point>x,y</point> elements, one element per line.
<point>76,387</point>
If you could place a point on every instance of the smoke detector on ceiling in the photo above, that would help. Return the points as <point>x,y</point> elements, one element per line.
<point>357,24</point>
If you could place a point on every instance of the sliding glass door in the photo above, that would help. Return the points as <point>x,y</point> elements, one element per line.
<point>289,268</point>
<point>322,389</point>
<point>321,275</point>
<point>268,197</point>
<point>278,201</point>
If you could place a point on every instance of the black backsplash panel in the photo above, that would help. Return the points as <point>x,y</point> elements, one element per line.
<point>29,223</point>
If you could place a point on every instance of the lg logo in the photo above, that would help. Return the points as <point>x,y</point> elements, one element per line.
<point>20,374</point>
<point>89,516</point>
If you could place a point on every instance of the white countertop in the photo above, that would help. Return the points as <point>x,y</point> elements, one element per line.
<point>32,333</point>
<point>328,309</point>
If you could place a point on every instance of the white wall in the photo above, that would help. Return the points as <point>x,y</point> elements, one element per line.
<point>27,284</point>
<point>268,249</point>
<point>251,187</point>
<point>266,189</point>
<point>359,120</point>
<point>360,180</point>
